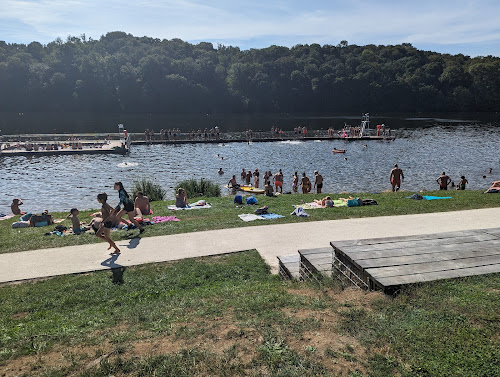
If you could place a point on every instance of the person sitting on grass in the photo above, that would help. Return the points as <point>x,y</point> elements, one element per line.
<point>141,204</point>
<point>15,206</point>
<point>75,222</point>
<point>495,188</point>
<point>268,188</point>
<point>181,200</point>
<point>108,220</point>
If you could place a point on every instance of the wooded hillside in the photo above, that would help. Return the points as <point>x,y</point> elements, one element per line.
<point>120,72</point>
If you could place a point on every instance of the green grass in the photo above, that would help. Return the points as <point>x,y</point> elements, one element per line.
<point>224,214</point>
<point>228,316</point>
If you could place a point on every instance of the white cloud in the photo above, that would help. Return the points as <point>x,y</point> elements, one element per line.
<point>360,21</point>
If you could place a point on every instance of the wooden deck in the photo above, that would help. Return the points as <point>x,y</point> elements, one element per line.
<point>113,147</point>
<point>389,263</point>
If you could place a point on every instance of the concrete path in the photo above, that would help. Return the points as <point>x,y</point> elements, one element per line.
<point>269,240</point>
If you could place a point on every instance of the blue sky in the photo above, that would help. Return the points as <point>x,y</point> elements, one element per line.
<point>470,27</point>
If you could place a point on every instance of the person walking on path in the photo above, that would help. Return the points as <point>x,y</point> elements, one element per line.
<point>396,177</point>
<point>108,221</point>
<point>443,181</point>
<point>318,181</point>
<point>128,206</point>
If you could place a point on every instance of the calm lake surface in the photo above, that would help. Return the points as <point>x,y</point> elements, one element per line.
<point>458,147</point>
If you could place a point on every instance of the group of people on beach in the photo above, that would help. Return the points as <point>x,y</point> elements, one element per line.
<point>274,182</point>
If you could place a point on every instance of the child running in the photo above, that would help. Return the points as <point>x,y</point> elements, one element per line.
<point>108,219</point>
<point>128,206</point>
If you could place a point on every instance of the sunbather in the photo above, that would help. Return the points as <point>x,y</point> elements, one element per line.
<point>15,207</point>
<point>325,202</point>
<point>141,204</point>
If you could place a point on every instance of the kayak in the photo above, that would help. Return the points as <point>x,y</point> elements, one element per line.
<point>252,190</point>
<point>338,150</point>
<point>249,189</point>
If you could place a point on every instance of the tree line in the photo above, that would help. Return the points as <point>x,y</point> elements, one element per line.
<point>123,73</point>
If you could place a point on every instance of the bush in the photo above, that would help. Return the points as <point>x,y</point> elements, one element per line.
<point>195,188</point>
<point>152,190</point>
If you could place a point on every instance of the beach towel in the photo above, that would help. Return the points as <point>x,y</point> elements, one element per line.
<point>163,219</point>
<point>5,217</point>
<point>199,204</point>
<point>271,216</point>
<point>299,211</point>
<point>428,197</point>
<point>314,205</point>
<point>252,217</point>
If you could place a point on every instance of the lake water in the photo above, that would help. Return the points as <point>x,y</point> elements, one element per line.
<point>63,182</point>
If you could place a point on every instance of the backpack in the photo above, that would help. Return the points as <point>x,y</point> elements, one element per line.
<point>251,200</point>
<point>238,199</point>
<point>261,210</point>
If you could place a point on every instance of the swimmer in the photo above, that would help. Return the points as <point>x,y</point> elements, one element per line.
<point>318,182</point>
<point>490,171</point>
<point>220,171</point>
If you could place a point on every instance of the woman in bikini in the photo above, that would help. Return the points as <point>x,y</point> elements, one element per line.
<point>128,206</point>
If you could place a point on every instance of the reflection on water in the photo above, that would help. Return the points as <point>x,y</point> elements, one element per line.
<point>63,182</point>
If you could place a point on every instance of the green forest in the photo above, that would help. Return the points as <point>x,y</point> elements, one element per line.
<point>123,73</point>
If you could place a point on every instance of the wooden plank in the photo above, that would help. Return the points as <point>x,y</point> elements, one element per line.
<point>431,257</point>
<point>410,269</point>
<point>372,241</point>
<point>418,250</point>
<point>319,250</point>
<point>405,244</point>
<point>431,276</point>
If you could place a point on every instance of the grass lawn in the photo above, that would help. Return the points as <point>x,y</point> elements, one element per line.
<point>228,316</point>
<point>224,214</point>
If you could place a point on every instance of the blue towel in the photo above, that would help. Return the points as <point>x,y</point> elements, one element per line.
<point>426,197</point>
<point>270,216</point>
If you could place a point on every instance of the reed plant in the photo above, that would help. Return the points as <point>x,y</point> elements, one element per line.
<point>152,190</point>
<point>203,187</point>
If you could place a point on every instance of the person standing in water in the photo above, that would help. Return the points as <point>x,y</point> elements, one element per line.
<point>295,182</point>
<point>128,206</point>
<point>278,181</point>
<point>318,182</point>
<point>256,174</point>
<point>443,181</point>
<point>396,177</point>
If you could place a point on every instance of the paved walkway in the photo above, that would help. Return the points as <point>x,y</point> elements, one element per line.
<point>269,240</point>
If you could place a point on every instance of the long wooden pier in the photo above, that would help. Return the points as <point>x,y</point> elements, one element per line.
<point>389,263</point>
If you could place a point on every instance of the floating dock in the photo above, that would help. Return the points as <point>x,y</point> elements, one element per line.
<point>113,147</point>
<point>388,264</point>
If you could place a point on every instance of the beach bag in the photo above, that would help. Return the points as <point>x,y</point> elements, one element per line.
<point>251,200</point>
<point>238,199</point>
<point>41,220</point>
<point>261,210</point>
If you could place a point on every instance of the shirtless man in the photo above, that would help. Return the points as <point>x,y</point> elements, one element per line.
<point>232,182</point>
<point>278,181</point>
<point>318,181</point>
<point>141,204</point>
<point>443,181</point>
<point>243,175</point>
<point>305,183</point>
<point>396,177</point>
